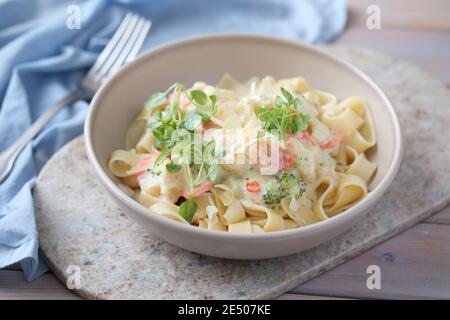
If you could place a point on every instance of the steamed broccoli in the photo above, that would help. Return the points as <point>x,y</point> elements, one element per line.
<point>273,193</point>
<point>283,185</point>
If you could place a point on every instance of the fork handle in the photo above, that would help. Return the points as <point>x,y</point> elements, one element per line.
<point>9,155</point>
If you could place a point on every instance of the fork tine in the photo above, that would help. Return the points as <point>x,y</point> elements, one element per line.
<point>140,40</point>
<point>114,54</point>
<point>111,44</point>
<point>140,28</point>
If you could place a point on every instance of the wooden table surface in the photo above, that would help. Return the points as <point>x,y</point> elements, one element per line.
<point>414,264</point>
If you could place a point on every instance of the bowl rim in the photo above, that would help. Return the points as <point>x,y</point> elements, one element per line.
<point>358,209</point>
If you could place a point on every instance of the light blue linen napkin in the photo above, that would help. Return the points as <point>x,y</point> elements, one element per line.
<point>41,60</point>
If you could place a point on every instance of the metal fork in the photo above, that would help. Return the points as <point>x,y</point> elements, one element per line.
<point>123,46</point>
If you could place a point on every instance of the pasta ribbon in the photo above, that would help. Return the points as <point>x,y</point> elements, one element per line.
<point>122,161</point>
<point>323,167</point>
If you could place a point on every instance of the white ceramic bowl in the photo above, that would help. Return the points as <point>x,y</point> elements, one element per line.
<point>206,58</point>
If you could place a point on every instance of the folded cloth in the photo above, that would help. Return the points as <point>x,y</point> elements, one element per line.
<point>44,53</point>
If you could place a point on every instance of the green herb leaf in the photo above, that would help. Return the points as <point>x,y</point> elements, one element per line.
<point>289,97</point>
<point>154,124</point>
<point>188,209</point>
<point>209,149</point>
<point>298,104</point>
<point>196,152</point>
<point>156,99</point>
<point>282,117</point>
<point>212,172</point>
<point>279,101</point>
<point>192,120</point>
<point>155,121</point>
<point>173,167</point>
<point>159,135</point>
<point>174,132</point>
<point>199,97</point>
<point>162,156</point>
<point>205,117</point>
<point>213,99</point>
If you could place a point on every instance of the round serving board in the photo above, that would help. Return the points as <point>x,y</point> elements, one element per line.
<point>87,240</point>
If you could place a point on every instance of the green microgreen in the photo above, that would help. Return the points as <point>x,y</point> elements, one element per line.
<point>174,131</point>
<point>206,105</point>
<point>192,121</point>
<point>173,167</point>
<point>188,209</point>
<point>159,98</point>
<point>285,116</point>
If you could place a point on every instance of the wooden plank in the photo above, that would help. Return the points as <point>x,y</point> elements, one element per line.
<point>428,50</point>
<point>14,286</point>
<point>404,14</point>
<point>414,265</point>
<point>290,296</point>
<point>442,217</point>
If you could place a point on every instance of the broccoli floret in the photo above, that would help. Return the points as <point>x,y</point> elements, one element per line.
<point>273,193</point>
<point>283,185</point>
<point>291,184</point>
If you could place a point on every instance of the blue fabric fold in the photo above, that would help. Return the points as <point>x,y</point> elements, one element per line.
<point>41,61</point>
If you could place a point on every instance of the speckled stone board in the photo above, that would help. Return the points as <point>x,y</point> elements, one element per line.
<point>80,226</point>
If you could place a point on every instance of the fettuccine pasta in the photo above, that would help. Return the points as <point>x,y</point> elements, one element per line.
<point>256,157</point>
